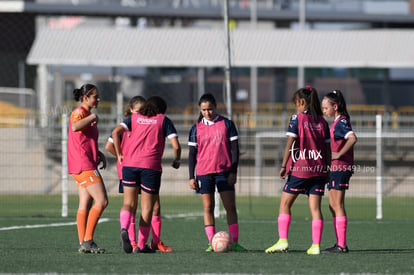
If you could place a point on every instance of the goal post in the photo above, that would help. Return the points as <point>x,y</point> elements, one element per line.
<point>379,161</point>
<point>65,165</point>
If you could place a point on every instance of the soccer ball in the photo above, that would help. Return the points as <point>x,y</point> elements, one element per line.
<point>221,242</point>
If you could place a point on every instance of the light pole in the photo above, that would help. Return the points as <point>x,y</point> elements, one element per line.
<point>227,72</point>
<point>302,20</point>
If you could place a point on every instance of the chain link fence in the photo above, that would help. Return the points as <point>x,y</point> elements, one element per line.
<point>31,160</point>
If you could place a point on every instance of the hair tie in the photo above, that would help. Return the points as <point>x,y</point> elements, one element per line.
<point>88,91</point>
<point>334,91</point>
<point>309,88</point>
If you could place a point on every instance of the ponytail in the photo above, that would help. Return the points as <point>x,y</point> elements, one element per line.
<point>310,95</point>
<point>85,89</point>
<point>336,97</point>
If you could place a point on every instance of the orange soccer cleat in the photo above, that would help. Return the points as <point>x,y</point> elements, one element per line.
<point>161,247</point>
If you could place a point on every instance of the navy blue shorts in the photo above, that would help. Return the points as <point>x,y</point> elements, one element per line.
<point>121,188</point>
<point>209,182</point>
<point>147,180</point>
<point>311,186</point>
<point>339,180</point>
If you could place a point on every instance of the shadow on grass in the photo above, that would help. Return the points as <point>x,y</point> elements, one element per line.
<point>359,251</point>
<point>383,250</point>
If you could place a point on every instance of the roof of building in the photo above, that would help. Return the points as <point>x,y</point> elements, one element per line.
<point>170,47</point>
<point>382,12</point>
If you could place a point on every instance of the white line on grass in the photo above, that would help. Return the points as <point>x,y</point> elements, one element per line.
<point>184,215</point>
<point>16,227</point>
<point>173,216</point>
<point>45,225</point>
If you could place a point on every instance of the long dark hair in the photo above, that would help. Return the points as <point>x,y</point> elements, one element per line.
<point>85,89</point>
<point>131,104</point>
<point>310,95</point>
<point>153,106</point>
<point>206,98</point>
<point>337,98</point>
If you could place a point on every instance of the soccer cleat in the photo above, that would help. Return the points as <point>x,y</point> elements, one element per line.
<point>209,248</point>
<point>90,247</point>
<point>161,247</point>
<point>314,250</point>
<point>146,249</point>
<point>238,248</point>
<point>126,243</point>
<point>336,249</point>
<point>281,246</point>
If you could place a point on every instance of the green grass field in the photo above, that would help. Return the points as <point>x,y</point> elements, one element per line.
<point>35,239</point>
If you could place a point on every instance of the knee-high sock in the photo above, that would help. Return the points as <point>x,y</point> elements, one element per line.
<point>341,227</point>
<point>336,231</point>
<point>143,234</point>
<point>125,219</point>
<point>210,231</point>
<point>317,228</point>
<point>81,219</point>
<point>283,223</point>
<point>156,228</point>
<point>132,231</point>
<point>234,231</point>
<point>93,219</point>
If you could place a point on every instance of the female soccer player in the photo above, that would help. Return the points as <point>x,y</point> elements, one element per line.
<point>142,163</point>
<point>305,162</point>
<point>343,140</point>
<point>83,160</point>
<point>214,156</point>
<point>134,105</point>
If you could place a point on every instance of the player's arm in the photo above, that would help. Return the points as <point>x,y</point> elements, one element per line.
<point>292,134</point>
<point>192,157</point>
<point>234,147</point>
<point>171,133</point>
<point>78,125</point>
<point>286,155</point>
<point>109,146</point>
<point>351,139</point>
<point>177,152</point>
<point>234,151</point>
<point>116,136</point>
<point>192,161</point>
